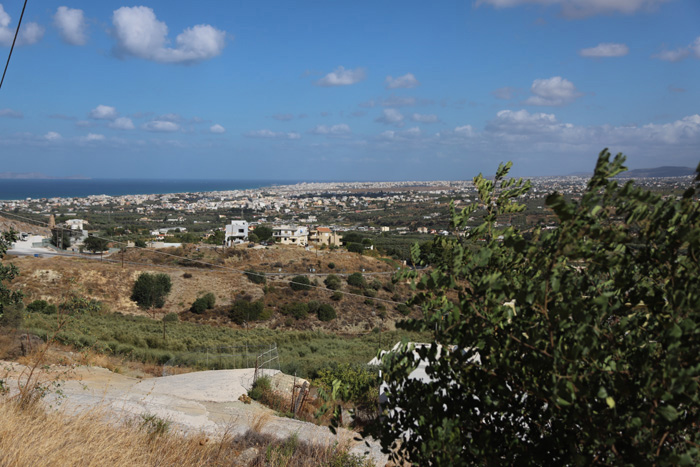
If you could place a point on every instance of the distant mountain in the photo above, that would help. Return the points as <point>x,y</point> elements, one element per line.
<point>666,171</point>
<point>36,176</point>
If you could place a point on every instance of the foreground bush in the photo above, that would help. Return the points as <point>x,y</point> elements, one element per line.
<point>300,283</point>
<point>572,346</point>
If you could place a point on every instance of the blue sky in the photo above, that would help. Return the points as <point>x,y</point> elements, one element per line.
<point>361,90</point>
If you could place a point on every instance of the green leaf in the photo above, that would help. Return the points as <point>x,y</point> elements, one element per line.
<point>668,412</point>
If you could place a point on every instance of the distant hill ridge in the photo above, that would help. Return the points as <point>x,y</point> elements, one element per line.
<point>666,171</point>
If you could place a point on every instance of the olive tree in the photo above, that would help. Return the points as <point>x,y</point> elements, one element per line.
<point>573,346</point>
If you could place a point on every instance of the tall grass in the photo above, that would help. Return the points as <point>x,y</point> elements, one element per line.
<point>34,437</point>
<point>141,339</point>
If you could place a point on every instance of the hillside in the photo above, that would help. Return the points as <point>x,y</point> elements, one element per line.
<point>666,171</point>
<point>57,279</point>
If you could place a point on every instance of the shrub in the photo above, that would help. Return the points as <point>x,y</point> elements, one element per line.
<point>300,283</point>
<point>150,290</point>
<point>375,284</point>
<point>12,317</point>
<point>369,293</point>
<point>296,310</point>
<point>199,306</point>
<point>326,312</point>
<point>260,387</point>
<point>253,238</point>
<point>314,306</point>
<point>333,282</point>
<point>210,300</point>
<point>140,244</point>
<point>38,306</point>
<point>247,311</point>
<point>255,277</point>
<point>355,248</point>
<point>403,309</point>
<point>331,265</point>
<point>356,280</point>
<point>337,296</point>
<point>171,318</point>
<point>187,275</point>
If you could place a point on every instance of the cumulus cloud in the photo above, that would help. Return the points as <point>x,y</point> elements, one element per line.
<point>605,49</point>
<point>692,50</point>
<point>139,33</point>
<point>554,91</point>
<point>406,81</point>
<point>71,25</point>
<point>269,134</point>
<point>217,129</point>
<point>122,123</point>
<point>342,77</point>
<point>103,112</point>
<point>94,137</point>
<point>425,118</point>
<point>390,117</point>
<point>582,8</point>
<point>9,113</point>
<point>161,126</point>
<point>392,135</point>
<point>52,136</point>
<point>340,129</point>
<point>29,34</point>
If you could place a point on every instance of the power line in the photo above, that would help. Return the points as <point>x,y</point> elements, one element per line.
<point>13,44</point>
<point>217,266</point>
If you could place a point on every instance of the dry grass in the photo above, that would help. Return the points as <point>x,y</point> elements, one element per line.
<point>34,437</point>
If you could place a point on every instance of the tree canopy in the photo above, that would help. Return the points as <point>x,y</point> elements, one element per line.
<point>150,290</point>
<point>8,297</point>
<point>96,244</point>
<point>573,346</point>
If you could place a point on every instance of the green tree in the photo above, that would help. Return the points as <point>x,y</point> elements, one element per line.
<point>326,312</point>
<point>95,244</point>
<point>356,279</point>
<point>150,290</point>
<point>8,298</point>
<point>60,238</point>
<point>255,277</point>
<point>332,282</point>
<point>577,346</point>
<point>300,283</point>
<point>263,232</point>
<point>217,238</point>
<point>140,243</point>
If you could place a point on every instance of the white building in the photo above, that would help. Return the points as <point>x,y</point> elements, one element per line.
<point>236,232</point>
<point>291,235</point>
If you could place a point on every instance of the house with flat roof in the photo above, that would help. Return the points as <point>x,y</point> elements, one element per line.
<point>324,236</point>
<point>291,234</point>
<point>236,232</point>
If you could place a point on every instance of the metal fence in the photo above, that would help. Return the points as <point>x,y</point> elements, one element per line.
<point>262,357</point>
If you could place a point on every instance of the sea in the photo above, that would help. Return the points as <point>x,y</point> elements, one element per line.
<point>19,189</point>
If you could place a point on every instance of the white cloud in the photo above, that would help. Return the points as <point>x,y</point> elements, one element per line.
<point>390,117</point>
<point>52,136</point>
<point>216,128</point>
<point>342,77</point>
<point>161,126</point>
<point>406,81</point>
<point>269,134</point>
<point>340,129</point>
<point>140,34</point>
<point>94,137</point>
<point>554,91</point>
<point>465,131</point>
<point>425,118</point>
<point>392,135</point>
<point>122,123</point>
<point>680,53</point>
<point>104,112</point>
<point>582,8</point>
<point>71,25</point>
<point>30,33</point>
<point>605,49</point>
<point>9,113</point>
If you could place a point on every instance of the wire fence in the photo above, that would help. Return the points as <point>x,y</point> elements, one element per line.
<point>263,357</point>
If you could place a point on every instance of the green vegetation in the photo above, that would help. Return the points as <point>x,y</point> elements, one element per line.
<point>203,303</point>
<point>297,310</point>
<point>150,290</point>
<point>60,238</point>
<point>255,277</point>
<point>574,346</point>
<point>357,280</point>
<point>139,338</point>
<point>326,312</point>
<point>244,311</point>
<point>95,244</point>
<point>42,306</point>
<point>300,283</point>
<point>263,232</point>
<point>332,282</point>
